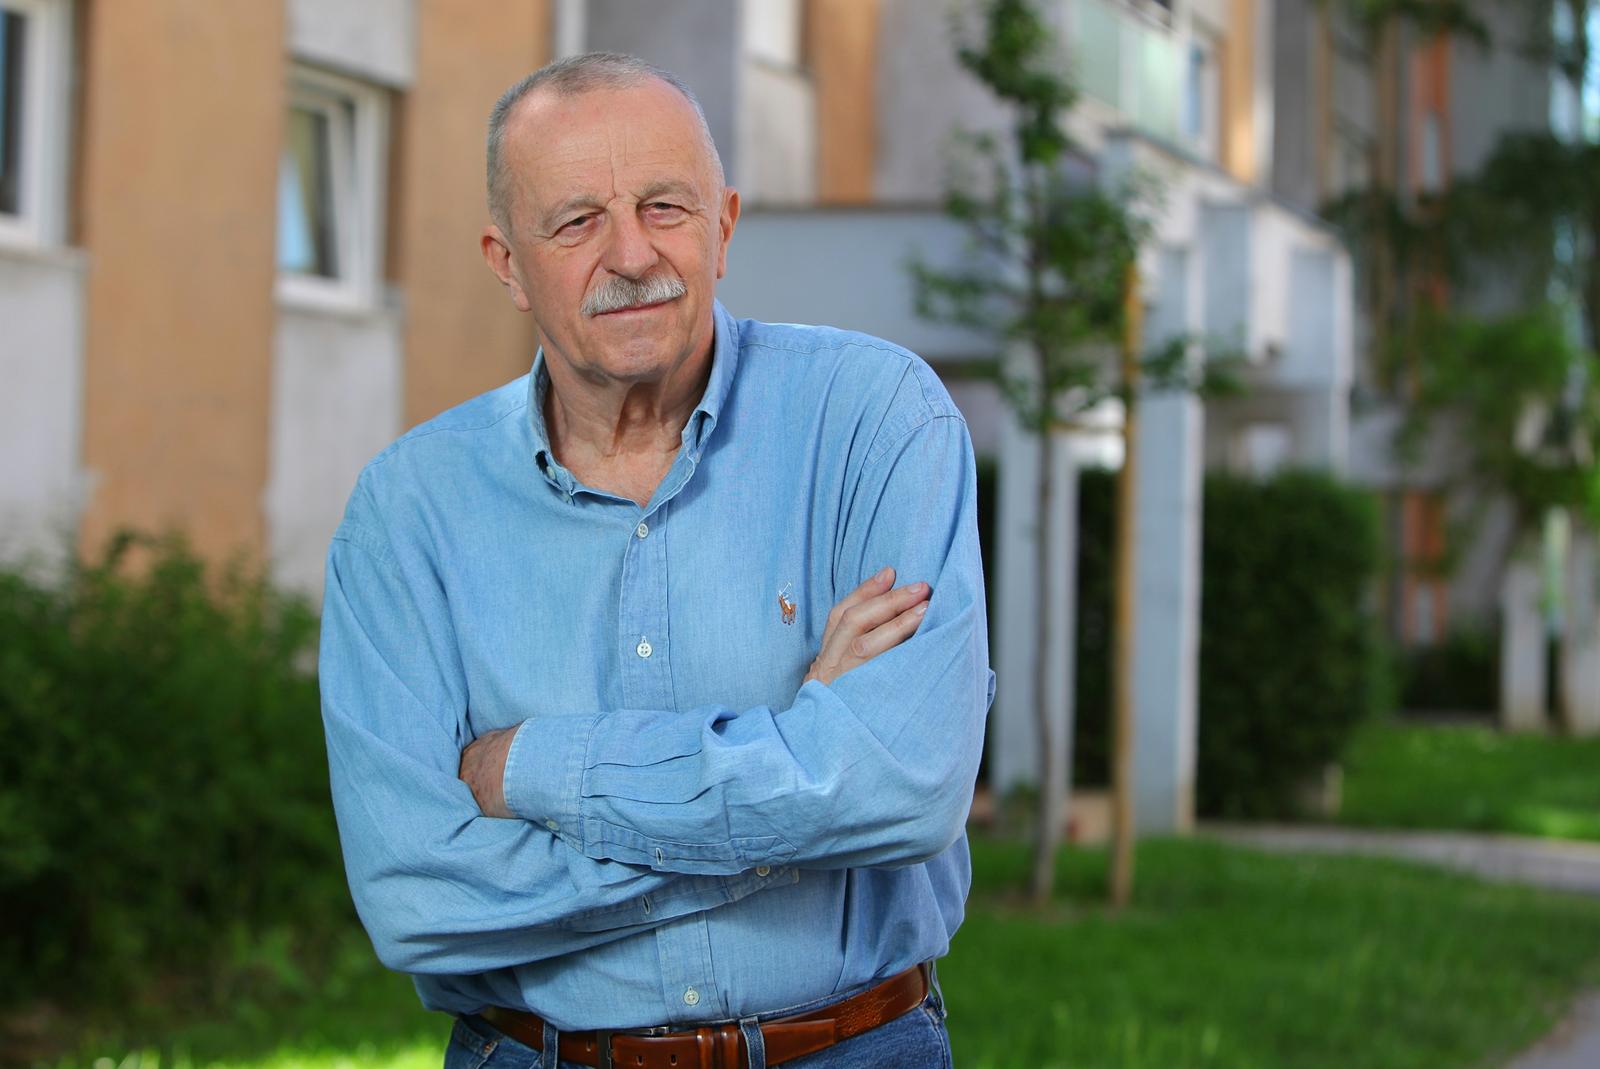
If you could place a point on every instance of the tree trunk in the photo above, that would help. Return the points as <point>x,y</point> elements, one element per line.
<point>1121,877</point>
<point>1052,750</point>
<point>1591,287</point>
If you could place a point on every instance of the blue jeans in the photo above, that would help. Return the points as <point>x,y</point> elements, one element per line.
<point>915,1040</point>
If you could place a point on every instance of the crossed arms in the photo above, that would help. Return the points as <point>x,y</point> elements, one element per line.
<point>658,813</point>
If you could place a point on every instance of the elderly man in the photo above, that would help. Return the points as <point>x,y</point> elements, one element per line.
<point>639,756</point>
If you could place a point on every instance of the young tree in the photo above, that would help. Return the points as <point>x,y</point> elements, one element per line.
<point>1051,277</point>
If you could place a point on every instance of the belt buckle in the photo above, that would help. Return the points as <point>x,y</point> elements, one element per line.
<point>602,1048</point>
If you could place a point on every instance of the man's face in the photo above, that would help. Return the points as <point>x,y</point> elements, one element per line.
<point>607,188</point>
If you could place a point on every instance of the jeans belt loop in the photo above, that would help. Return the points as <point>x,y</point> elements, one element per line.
<point>602,1044</point>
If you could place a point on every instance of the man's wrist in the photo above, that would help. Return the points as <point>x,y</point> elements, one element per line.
<point>544,772</point>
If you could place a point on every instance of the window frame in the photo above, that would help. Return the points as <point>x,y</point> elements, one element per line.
<point>46,83</point>
<point>357,114</point>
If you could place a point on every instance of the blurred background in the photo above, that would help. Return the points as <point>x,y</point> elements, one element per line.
<point>239,255</point>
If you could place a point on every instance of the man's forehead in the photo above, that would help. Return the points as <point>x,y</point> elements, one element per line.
<point>632,135</point>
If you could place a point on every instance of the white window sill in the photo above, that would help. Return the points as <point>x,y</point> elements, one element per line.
<point>22,246</point>
<point>326,297</point>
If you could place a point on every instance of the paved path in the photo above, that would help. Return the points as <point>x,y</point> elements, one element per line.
<point>1558,865</point>
<point>1575,1044</point>
<point>1555,864</point>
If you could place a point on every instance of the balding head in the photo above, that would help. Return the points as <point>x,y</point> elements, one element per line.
<point>575,76</point>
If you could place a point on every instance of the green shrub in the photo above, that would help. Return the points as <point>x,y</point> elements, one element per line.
<point>1290,659</point>
<point>1091,681</point>
<point>1461,673</point>
<point>163,784</point>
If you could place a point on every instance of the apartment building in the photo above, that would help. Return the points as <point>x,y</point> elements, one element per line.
<point>238,254</point>
<point>1411,111</point>
<point>835,118</point>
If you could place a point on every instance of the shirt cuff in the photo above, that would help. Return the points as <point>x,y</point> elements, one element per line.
<point>543,777</point>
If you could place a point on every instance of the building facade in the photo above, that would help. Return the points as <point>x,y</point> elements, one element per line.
<point>238,255</point>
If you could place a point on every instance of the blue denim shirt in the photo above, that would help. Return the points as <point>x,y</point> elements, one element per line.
<point>701,836</point>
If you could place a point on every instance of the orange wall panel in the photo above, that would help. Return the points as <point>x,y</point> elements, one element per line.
<point>841,48</point>
<point>1238,92</point>
<point>462,335</point>
<point>182,109</point>
<point>1430,97</point>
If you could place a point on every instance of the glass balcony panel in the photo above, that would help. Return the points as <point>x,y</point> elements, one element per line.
<point>1097,50</point>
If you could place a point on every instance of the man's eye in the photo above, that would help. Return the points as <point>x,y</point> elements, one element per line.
<point>662,207</point>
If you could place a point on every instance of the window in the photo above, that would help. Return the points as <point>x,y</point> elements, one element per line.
<point>331,191</point>
<point>11,59</point>
<point>33,136</point>
<point>1432,167</point>
<point>1202,94</point>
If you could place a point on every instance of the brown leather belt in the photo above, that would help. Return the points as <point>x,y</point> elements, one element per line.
<point>722,1046</point>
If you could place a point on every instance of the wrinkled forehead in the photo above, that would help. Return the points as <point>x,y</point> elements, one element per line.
<point>606,142</point>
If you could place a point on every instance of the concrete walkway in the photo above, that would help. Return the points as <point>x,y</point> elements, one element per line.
<point>1557,865</point>
<point>1575,1044</point>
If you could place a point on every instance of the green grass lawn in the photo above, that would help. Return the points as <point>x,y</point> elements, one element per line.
<point>1228,958</point>
<point>1473,778</point>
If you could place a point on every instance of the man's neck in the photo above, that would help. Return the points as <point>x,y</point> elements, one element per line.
<point>622,436</point>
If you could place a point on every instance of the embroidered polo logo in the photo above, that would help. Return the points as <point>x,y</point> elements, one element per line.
<point>786,603</point>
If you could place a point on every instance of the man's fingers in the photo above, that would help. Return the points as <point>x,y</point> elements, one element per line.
<point>874,585</point>
<point>877,611</point>
<point>888,635</point>
<point>871,619</point>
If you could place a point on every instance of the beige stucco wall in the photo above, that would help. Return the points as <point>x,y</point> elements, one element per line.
<point>842,49</point>
<point>182,106</point>
<point>462,336</point>
<point>1238,92</point>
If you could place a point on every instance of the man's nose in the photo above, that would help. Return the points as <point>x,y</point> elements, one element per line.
<point>629,251</point>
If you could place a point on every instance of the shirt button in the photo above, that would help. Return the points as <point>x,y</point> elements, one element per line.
<point>552,825</point>
<point>762,870</point>
<point>643,530</point>
<point>644,649</point>
<point>691,997</point>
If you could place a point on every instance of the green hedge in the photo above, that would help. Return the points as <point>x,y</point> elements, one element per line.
<point>1091,749</point>
<point>1459,674</point>
<point>1290,656</point>
<point>163,783</point>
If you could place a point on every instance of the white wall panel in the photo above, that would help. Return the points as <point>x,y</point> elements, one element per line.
<point>336,390</point>
<point>41,402</point>
<point>373,39</point>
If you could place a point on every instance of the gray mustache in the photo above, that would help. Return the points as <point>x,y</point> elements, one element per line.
<point>617,293</point>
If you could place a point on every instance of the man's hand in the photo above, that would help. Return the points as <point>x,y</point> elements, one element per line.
<point>483,768</point>
<point>871,618</point>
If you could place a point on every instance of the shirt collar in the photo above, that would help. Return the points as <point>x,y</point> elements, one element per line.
<point>724,361</point>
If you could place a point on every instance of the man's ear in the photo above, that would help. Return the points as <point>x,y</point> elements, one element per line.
<point>725,224</point>
<point>497,254</point>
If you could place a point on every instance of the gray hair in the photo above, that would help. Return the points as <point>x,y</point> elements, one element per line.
<point>575,76</point>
